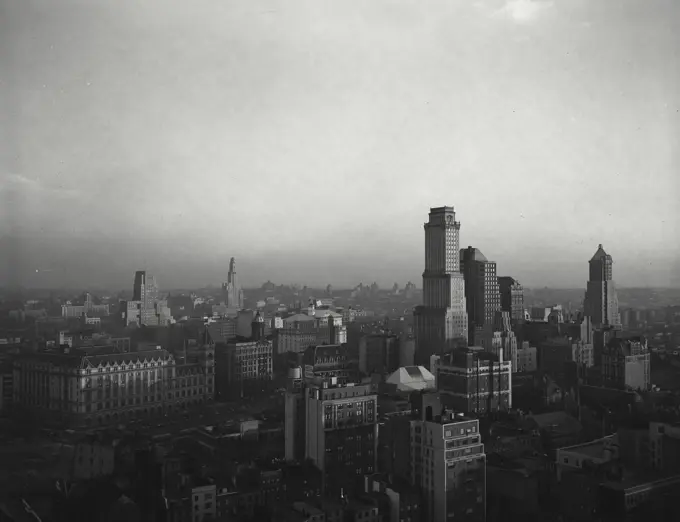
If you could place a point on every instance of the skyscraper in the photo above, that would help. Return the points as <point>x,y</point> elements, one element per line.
<point>145,301</point>
<point>601,303</point>
<point>139,288</point>
<point>512,297</point>
<point>442,321</point>
<point>231,290</point>
<point>482,293</point>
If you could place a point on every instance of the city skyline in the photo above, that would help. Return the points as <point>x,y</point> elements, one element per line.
<point>307,139</point>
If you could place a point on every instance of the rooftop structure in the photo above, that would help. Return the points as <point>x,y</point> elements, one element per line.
<point>412,378</point>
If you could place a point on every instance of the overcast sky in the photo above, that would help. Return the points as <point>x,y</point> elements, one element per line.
<point>308,138</point>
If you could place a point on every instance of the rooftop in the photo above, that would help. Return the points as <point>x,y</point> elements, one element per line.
<point>472,254</point>
<point>594,449</point>
<point>412,378</point>
<point>298,318</point>
<point>600,254</point>
<point>439,210</point>
<point>557,422</point>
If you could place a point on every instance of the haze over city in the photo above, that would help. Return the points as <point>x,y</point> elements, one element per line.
<point>309,138</point>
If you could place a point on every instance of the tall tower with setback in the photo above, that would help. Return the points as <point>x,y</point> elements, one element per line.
<point>441,322</point>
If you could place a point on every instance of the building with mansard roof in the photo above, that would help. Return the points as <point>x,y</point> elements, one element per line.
<point>75,388</point>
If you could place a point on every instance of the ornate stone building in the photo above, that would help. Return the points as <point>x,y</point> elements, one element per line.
<point>78,388</point>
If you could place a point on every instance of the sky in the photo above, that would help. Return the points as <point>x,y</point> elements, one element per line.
<point>309,138</point>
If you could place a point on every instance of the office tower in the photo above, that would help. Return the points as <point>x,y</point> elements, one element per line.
<point>481,293</point>
<point>512,297</point>
<point>448,462</point>
<point>138,290</point>
<point>341,434</point>
<point>232,293</point>
<point>151,289</point>
<point>441,322</point>
<point>472,380</point>
<point>143,307</point>
<point>601,303</point>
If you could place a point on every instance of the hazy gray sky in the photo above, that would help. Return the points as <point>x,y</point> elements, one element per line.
<point>309,138</point>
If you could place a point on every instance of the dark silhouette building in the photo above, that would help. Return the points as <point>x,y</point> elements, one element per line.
<point>601,302</point>
<point>481,293</point>
<point>512,297</point>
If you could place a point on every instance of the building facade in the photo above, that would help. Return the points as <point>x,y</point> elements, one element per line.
<point>295,416</point>
<point>146,308</point>
<point>145,292</point>
<point>73,388</point>
<point>341,433</point>
<point>482,293</point>
<point>501,340</point>
<point>626,364</point>
<point>448,463</point>
<point>512,297</point>
<point>87,308</point>
<point>474,381</point>
<point>442,320</point>
<point>601,302</point>
<point>527,361</point>
<point>330,361</point>
<point>379,353</point>
<point>300,331</point>
<point>244,368</point>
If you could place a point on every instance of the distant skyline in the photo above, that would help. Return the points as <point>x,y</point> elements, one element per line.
<point>309,138</point>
